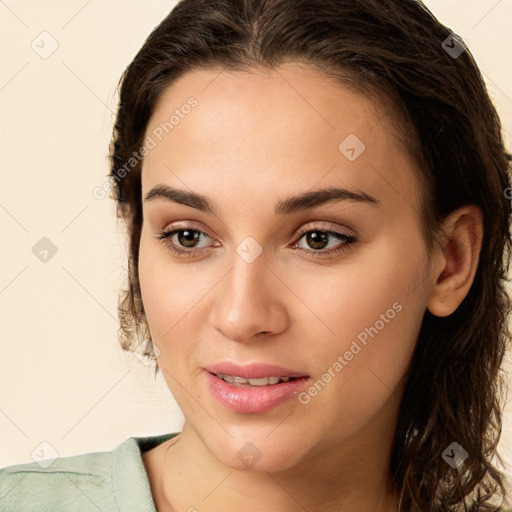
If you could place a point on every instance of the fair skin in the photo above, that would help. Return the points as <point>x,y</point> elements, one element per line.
<point>252,141</point>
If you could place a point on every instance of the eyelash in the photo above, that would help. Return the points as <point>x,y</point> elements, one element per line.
<point>347,239</point>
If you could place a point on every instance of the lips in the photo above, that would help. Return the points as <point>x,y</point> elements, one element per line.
<point>254,388</point>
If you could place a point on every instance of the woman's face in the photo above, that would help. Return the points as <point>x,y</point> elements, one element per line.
<point>331,288</point>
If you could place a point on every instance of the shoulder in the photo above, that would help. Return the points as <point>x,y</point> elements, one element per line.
<point>107,481</point>
<point>67,483</point>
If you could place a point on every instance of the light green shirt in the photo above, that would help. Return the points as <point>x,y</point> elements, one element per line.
<point>113,481</point>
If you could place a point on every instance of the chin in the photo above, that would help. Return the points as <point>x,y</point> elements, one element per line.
<point>258,454</point>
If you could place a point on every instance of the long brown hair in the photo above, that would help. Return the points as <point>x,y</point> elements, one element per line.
<point>398,51</point>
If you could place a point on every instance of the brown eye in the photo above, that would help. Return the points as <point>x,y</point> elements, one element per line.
<point>317,239</point>
<point>184,241</point>
<point>188,237</point>
<point>322,242</point>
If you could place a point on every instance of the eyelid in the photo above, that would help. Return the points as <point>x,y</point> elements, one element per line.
<point>187,224</point>
<point>321,226</point>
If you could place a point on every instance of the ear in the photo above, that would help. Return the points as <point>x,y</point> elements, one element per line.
<point>461,241</point>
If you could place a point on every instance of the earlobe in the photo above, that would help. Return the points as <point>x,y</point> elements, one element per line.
<point>459,252</point>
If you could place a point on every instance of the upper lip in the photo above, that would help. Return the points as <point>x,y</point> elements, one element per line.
<point>253,370</point>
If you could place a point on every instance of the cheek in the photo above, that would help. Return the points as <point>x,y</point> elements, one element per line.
<point>151,286</point>
<point>166,293</point>
<point>174,295</point>
<point>368,312</point>
<point>164,288</point>
<point>343,300</point>
<point>168,312</point>
<point>363,368</point>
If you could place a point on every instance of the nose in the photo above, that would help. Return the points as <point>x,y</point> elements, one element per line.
<point>249,302</point>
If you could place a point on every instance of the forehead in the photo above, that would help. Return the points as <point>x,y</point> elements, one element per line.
<point>281,99</point>
<point>291,125</point>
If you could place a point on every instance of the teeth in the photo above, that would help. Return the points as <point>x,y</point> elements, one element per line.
<point>263,381</point>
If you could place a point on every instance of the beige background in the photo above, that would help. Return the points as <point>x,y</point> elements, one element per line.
<point>64,381</point>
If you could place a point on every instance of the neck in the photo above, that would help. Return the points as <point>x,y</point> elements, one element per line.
<point>348,477</point>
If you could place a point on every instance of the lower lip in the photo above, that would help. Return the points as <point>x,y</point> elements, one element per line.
<point>253,400</point>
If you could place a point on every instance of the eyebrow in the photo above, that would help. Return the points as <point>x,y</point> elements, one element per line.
<point>293,204</point>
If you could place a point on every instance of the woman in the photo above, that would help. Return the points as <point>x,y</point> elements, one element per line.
<point>316,198</point>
